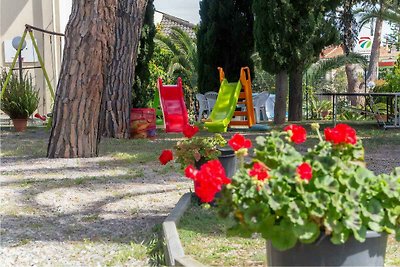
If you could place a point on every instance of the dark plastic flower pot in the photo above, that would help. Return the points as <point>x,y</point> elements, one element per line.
<point>324,253</point>
<point>228,160</point>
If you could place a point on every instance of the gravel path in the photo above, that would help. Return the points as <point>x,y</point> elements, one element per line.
<point>80,211</point>
<point>97,211</point>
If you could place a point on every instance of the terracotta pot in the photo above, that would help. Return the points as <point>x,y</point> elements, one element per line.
<point>20,124</point>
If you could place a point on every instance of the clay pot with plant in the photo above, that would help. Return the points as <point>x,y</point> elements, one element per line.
<point>19,99</point>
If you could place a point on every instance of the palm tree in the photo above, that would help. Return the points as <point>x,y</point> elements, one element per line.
<point>381,10</point>
<point>319,69</point>
<point>184,51</point>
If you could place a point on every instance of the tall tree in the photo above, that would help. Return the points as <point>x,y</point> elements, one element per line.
<point>318,33</point>
<point>349,32</point>
<point>287,35</point>
<point>224,39</point>
<point>142,93</point>
<point>96,38</point>
<point>89,41</point>
<point>117,97</point>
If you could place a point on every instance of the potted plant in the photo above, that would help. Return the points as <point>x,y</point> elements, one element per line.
<point>197,150</point>
<point>19,100</point>
<point>323,207</point>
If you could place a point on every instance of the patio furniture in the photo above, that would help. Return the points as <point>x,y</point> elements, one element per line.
<point>269,106</point>
<point>211,99</point>
<point>203,106</point>
<point>259,103</point>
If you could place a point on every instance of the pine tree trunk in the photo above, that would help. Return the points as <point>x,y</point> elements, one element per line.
<point>374,58</point>
<point>281,84</point>
<point>295,96</point>
<point>118,92</point>
<point>88,49</point>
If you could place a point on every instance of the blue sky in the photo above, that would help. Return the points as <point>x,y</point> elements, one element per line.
<point>184,9</point>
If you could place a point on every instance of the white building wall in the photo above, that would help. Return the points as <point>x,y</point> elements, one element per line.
<point>45,14</point>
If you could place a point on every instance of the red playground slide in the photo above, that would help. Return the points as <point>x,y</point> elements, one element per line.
<point>173,106</point>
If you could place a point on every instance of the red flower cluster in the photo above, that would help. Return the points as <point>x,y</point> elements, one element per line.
<point>299,134</point>
<point>342,133</point>
<point>166,156</point>
<point>208,180</point>
<point>260,171</point>
<point>189,131</point>
<point>304,170</point>
<point>238,141</point>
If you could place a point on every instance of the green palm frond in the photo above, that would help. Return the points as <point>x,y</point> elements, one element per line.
<point>319,69</point>
<point>184,51</point>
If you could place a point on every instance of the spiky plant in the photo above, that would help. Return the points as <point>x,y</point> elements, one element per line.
<point>20,98</point>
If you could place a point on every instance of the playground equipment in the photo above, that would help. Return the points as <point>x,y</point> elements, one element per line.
<point>173,106</point>
<point>29,29</point>
<point>229,96</point>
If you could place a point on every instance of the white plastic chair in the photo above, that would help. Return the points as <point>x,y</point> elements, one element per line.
<point>203,105</point>
<point>269,106</point>
<point>259,103</point>
<point>211,99</point>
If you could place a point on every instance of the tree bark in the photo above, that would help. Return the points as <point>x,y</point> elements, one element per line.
<point>120,77</point>
<point>372,74</point>
<point>353,83</point>
<point>295,96</point>
<point>281,85</point>
<point>89,40</point>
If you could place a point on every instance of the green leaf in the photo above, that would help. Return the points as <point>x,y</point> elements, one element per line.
<point>362,175</point>
<point>327,183</point>
<point>360,234</point>
<point>294,213</point>
<point>260,140</point>
<point>340,237</point>
<point>373,210</point>
<point>375,226</point>
<point>266,226</point>
<point>307,233</point>
<point>352,221</point>
<point>283,236</point>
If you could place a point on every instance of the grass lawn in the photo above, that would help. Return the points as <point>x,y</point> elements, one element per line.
<point>107,206</point>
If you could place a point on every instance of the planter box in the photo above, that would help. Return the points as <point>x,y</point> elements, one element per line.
<point>143,122</point>
<point>324,253</point>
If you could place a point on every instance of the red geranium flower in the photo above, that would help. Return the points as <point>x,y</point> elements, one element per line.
<point>304,170</point>
<point>238,141</point>
<point>342,133</point>
<point>260,171</point>
<point>189,131</point>
<point>208,180</point>
<point>166,156</point>
<point>299,134</point>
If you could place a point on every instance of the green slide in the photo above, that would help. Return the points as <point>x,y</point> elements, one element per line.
<point>224,108</point>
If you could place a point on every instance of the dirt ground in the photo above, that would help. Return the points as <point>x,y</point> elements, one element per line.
<point>96,211</point>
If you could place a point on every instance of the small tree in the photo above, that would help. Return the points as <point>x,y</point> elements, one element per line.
<point>288,34</point>
<point>142,91</point>
<point>225,40</point>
